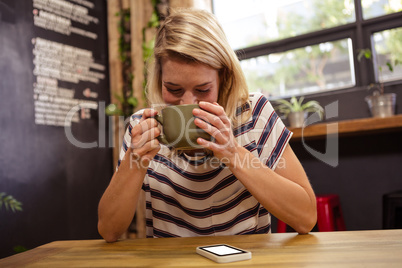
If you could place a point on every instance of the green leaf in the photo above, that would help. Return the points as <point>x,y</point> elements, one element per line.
<point>368,54</point>
<point>127,17</point>
<point>10,202</point>
<point>148,49</point>
<point>314,107</point>
<point>390,67</point>
<point>154,20</point>
<point>133,101</point>
<point>364,53</point>
<point>298,104</point>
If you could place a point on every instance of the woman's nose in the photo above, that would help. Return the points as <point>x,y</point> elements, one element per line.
<point>188,98</point>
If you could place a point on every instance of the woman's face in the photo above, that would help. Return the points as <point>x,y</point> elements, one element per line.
<point>188,83</point>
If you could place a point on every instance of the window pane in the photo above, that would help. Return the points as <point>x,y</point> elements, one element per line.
<point>321,67</point>
<point>375,8</point>
<point>253,22</point>
<point>388,48</point>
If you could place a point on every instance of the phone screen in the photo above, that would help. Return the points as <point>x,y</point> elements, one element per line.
<point>222,250</point>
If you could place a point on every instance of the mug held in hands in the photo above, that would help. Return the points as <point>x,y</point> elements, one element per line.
<point>178,127</point>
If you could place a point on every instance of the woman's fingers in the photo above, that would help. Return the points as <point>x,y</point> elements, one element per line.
<point>214,112</point>
<point>147,147</point>
<point>145,127</point>
<point>220,135</point>
<point>147,136</point>
<point>209,117</point>
<point>148,113</point>
<point>144,134</point>
<point>214,121</point>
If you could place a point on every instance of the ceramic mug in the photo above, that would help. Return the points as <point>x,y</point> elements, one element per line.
<point>178,127</point>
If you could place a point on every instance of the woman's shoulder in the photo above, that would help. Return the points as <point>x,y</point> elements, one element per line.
<point>257,99</point>
<point>255,96</point>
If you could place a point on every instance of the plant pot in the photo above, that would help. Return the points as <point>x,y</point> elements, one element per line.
<point>296,119</point>
<point>382,105</point>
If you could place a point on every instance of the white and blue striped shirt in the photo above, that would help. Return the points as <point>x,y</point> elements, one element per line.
<point>187,197</point>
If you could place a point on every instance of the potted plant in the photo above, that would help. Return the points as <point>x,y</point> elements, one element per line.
<point>296,111</point>
<point>380,104</point>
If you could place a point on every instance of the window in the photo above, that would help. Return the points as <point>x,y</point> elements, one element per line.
<point>388,47</point>
<point>261,21</point>
<point>375,8</point>
<point>295,47</point>
<point>320,67</point>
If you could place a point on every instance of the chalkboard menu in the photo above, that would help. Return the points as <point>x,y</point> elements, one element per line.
<point>53,90</point>
<point>65,68</point>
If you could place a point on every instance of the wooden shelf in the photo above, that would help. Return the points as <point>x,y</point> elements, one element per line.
<point>348,127</point>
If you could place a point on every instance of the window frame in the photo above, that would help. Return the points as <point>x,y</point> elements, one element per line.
<point>360,32</point>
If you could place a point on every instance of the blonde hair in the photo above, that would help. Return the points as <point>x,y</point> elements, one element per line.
<point>196,36</point>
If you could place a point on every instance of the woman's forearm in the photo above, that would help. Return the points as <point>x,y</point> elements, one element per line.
<point>286,192</point>
<point>118,203</point>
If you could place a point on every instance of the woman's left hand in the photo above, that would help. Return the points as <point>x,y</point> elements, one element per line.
<point>218,125</point>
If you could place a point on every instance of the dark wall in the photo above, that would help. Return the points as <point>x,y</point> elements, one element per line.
<point>58,183</point>
<point>370,165</point>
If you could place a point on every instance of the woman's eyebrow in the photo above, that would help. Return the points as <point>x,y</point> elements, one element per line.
<point>170,83</point>
<point>173,84</point>
<point>203,84</point>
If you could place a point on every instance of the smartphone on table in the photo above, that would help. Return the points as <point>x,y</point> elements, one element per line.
<point>223,253</point>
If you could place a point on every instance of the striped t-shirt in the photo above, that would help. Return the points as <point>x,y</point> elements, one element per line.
<point>195,197</point>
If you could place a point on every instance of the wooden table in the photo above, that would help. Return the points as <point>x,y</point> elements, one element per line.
<point>382,248</point>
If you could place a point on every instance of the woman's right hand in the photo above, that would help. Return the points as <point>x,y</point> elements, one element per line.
<point>144,143</point>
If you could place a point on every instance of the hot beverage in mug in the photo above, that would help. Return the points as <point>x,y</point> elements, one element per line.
<point>178,127</point>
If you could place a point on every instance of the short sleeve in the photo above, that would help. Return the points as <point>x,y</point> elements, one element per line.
<point>266,131</point>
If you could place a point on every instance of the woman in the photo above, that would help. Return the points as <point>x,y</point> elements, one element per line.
<point>251,170</point>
